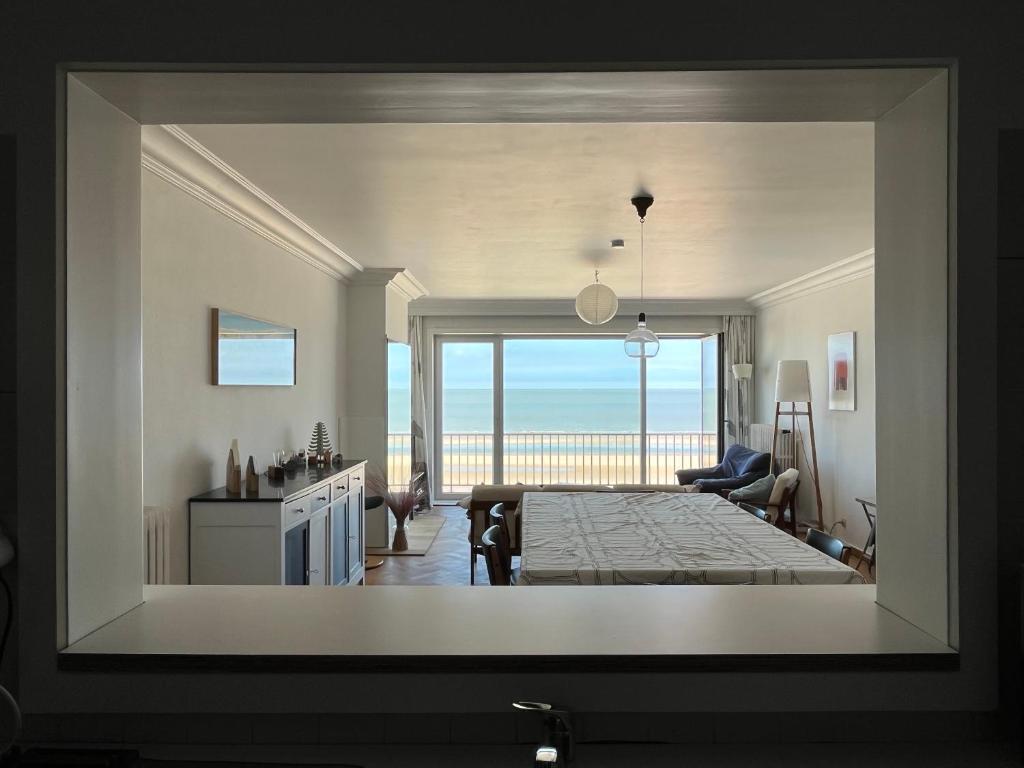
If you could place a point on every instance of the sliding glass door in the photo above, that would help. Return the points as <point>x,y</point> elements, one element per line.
<point>682,407</point>
<point>541,410</point>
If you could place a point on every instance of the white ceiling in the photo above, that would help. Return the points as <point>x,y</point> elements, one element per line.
<point>526,210</point>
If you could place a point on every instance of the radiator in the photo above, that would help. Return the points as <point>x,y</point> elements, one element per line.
<point>785,448</point>
<point>155,523</point>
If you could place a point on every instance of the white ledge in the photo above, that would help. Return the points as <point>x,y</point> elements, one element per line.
<point>514,622</point>
<point>175,156</point>
<point>843,271</point>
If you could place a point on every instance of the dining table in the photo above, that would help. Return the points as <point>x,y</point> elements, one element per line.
<point>608,538</point>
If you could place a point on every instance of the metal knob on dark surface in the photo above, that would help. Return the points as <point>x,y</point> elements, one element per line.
<point>557,746</point>
<point>546,757</point>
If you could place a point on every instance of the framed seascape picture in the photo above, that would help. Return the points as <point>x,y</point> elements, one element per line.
<point>842,372</point>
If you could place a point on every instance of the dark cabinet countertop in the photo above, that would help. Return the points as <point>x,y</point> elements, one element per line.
<point>292,485</point>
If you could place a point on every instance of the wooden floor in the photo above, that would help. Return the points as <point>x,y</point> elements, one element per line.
<point>447,561</point>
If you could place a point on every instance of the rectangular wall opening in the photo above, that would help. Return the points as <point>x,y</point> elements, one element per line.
<point>545,403</point>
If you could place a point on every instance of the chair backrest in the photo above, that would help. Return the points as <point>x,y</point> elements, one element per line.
<point>499,516</point>
<point>758,513</point>
<point>822,542</point>
<point>499,569</point>
<point>484,497</point>
<point>783,483</point>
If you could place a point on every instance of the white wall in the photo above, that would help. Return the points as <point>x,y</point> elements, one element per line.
<point>912,277</point>
<point>104,363</point>
<point>194,258</point>
<point>797,329</point>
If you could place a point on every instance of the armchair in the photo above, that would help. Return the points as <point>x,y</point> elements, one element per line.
<point>780,509</point>
<point>740,467</point>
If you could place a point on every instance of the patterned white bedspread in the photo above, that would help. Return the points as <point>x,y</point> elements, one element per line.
<point>662,538</point>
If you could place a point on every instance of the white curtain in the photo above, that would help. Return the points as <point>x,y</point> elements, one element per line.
<point>422,445</point>
<point>739,348</point>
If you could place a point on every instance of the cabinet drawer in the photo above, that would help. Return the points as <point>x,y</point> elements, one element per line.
<point>296,510</point>
<point>340,486</point>
<point>320,498</point>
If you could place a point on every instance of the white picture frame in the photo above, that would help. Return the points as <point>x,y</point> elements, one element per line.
<point>842,371</point>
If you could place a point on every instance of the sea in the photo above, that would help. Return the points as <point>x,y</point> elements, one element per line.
<point>562,410</point>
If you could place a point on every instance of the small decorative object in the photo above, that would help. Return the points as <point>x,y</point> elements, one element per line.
<point>275,469</point>
<point>401,503</point>
<point>842,372</point>
<point>336,460</point>
<point>234,470</point>
<point>319,445</point>
<point>252,477</point>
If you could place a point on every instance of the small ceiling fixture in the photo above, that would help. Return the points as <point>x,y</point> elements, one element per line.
<point>597,303</point>
<point>641,341</point>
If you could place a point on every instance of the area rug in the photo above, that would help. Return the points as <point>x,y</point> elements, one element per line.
<point>421,533</point>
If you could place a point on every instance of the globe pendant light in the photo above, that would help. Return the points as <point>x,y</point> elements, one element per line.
<point>641,341</point>
<point>597,303</point>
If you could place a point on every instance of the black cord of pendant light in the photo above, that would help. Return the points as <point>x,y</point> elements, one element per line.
<point>642,263</point>
<point>642,201</point>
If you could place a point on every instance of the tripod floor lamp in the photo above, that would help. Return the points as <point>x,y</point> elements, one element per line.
<point>793,386</point>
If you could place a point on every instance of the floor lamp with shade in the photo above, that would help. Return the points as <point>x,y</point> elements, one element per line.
<point>792,386</point>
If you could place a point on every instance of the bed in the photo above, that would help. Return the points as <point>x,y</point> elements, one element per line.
<point>661,538</point>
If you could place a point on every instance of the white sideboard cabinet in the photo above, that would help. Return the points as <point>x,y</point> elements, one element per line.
<point>307,529</point>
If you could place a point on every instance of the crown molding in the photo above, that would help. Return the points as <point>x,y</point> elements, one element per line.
<point>441,307</point>
<point>399,278</point>
<point>843,271</point>
<point>176,157</point>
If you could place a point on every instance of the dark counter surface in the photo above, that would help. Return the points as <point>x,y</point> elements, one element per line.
<point>293,484</point>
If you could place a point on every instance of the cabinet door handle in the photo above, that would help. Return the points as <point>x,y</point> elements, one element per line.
<point>321,498</point>
<point>314,570</point>
<point>340,487</point>
<point>298,511</point>
<point>357,478</point>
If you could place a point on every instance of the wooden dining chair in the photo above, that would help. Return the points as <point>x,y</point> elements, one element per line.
<point>830,545</point>
<point>499,565</point>
<point>781,506</point>
<point>499,516</point>
<point>760,514</point>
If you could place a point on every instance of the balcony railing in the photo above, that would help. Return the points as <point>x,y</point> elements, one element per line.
<point>592,458</point>
<point>399,459</point>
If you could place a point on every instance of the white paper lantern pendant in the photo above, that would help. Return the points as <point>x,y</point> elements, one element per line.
<point>597,303</point>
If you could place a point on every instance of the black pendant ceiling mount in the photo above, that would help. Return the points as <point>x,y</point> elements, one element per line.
<point>642,202</point>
